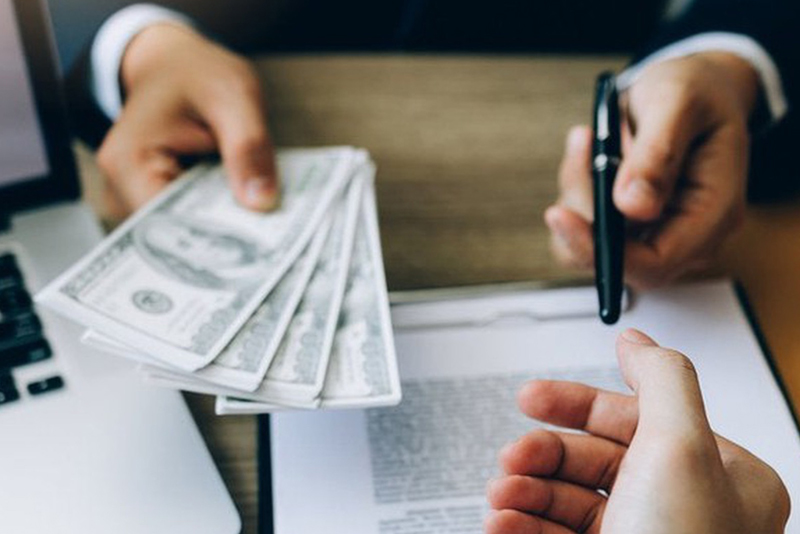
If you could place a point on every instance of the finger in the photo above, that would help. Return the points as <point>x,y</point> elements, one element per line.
<point>705,213</point>
<point>665,127</point>
<point>567,404</point>
<point>238,120</point>
<point>667,390</point>
<point>147,180</point>
<point>516,522</point>
<point>135,174</point>
<point>589,461</point>
<point>114,207</point>
<point>186,136</point>
<point>571,237</point>
<point>575,507</point>
<point>574,176</point>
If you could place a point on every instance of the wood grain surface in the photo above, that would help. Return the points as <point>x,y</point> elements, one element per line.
<point>468,149</point>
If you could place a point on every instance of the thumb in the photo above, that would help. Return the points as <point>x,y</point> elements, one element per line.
<point>239,125</point>
<point>247,155</point>
<point>652,165</point>
<point>666,385</point>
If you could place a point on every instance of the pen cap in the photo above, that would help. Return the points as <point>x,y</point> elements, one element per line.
<point>607,117</point>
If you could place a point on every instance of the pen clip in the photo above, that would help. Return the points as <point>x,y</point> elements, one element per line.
<point>607,116</point>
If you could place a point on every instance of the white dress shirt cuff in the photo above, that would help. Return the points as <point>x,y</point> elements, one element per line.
<point>109,47</point>
<point>739,45</point>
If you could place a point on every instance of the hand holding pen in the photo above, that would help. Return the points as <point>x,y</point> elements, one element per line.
<point>681,182</point>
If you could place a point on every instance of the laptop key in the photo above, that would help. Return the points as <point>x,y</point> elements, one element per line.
<point>9,396</point>
<point>35,351</point>
<point>11,280</point>
<point>7,381</point>
<point>8,263</point>
<point>8,389</point>
<point>14,301</point>
<point>46,386</point>
<point>13,330</point>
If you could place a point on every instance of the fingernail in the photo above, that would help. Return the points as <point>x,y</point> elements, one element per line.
<point>550,215</point>
<point>552,222</point>
<point>260,194</point>
<point>506,449</point>
<point>639,192</point>
<point>634,336</point>
<point>575,139</point>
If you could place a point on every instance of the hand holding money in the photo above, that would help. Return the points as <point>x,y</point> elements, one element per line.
<point>276,311</point>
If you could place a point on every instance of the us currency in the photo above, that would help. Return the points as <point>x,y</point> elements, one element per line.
<point>299,369</point>
<point>180,278</point>
<point>243,363</point>
<point>235,406</point>
<point>297,373</point>
<point>363,367</point>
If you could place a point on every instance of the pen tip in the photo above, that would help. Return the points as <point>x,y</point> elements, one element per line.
<point>609,316</point>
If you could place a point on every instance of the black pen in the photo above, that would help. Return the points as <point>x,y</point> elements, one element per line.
<point>609,224</point>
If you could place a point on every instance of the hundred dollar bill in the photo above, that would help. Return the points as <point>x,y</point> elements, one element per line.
<point>243,363</point>
<point>297,373</point>
<point>363,367</point>
<point>234,406</point>
<point>298,370</point>
<point>181,277</point>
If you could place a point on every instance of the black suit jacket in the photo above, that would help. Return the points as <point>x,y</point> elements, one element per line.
<point>329,25</point>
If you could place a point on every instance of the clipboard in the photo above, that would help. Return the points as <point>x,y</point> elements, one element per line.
<point>459,296</point>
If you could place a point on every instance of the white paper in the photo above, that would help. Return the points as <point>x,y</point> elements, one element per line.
<point>365,471</point>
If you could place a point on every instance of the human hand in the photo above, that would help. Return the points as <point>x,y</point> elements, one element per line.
<point>653,454</point>
<point>187,96</point>
<point>682,181</point>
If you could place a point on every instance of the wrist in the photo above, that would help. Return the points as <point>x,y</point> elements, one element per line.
<point>145,55</point>
<point>739,76</point>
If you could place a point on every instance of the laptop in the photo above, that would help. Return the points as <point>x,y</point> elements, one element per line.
<point>85,447</point>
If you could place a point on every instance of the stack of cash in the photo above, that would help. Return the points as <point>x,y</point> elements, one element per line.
<point>286,310</point>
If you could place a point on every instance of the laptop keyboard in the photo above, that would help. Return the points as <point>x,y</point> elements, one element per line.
<point>22,339</point>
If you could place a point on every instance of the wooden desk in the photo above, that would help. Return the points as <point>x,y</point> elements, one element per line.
<point>467,150</point>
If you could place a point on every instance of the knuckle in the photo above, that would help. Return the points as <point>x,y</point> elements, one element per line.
<point>244,78</point>
<point>502,522</point>
<point>108,153</point>
<point>690,451</point>
<point>658,157</point>
<point>104,157</point>
<point>678,361</point>
<point>250,144</point>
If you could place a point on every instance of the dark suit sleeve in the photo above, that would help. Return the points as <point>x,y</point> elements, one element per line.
<point>76,23</point>
<point>775,25</point>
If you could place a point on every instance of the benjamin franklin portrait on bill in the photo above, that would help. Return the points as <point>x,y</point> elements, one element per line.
<point>197,253</point>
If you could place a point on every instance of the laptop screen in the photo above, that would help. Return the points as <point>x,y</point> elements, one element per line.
<point>22,149</point>
<point>37,166</point>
